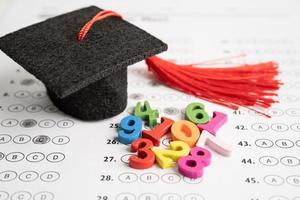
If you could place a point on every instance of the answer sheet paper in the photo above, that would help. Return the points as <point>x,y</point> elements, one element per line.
<point>45,154</point>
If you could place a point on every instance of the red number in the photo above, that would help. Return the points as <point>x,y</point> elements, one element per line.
<point>145,157</point>
<point>159,131</point>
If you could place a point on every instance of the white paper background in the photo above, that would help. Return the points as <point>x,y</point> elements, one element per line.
<point>195,31</point>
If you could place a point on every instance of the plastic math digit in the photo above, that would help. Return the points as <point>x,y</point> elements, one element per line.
<point>159,131</point>
<point>218,120</point>
<point>207,139</point>
<point>192,166</point>
<point>146,113</point>
<point>145,157</point>
<point>186,131</point>
<point>130,129</point>
<point>195,113</point>
<point>166,157</point>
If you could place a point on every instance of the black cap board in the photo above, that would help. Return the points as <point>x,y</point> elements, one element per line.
<point>86,79</point>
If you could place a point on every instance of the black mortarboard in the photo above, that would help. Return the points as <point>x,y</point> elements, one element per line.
<point>86,79</point>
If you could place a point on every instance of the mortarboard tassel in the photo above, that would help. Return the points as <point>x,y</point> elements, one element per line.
<point>246,85</point>
<point>250,86</point>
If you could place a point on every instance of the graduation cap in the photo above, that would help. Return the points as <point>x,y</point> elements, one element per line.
<point>82,59</point>
<point>86,79</point>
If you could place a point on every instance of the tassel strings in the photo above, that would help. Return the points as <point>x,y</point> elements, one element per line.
<point>98,17</point>
<point>245,85</point>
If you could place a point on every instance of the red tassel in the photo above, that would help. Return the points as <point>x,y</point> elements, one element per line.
<point>246,85</point>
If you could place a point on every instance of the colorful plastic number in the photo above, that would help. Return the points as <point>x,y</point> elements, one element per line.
<point>166,157</point>
<point>145,157</point>
<point>195,113</point>
<point>146,113</point>
<point>130,129</point>
<point>207,139</point>
<point>185,131</point>
<point>218,120</point>
<point>192,166</point>
<point>159,131</point>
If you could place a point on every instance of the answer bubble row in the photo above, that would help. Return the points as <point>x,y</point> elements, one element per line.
<point>30,123</point>
<point>255,41</point>
<point>23,94</point>
<point>39,139</point>
<point>278,127</point>
<point>277,112</point>
<point>160,97</point>
<point>276,180</point>
<point>25,195</point>
<point>29,176</point>
<point>281,143</point>
<point>263,51</point>
<point>140,83</point>
<point>166,111</point>
<point>33,108</point>
<point>149,177</point>
<point>289,161</point>
<point>153,196</point>
<point>53,157</point>
<point>280,197</point>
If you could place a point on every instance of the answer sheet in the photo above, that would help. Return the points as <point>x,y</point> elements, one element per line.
<point>47,155</point>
